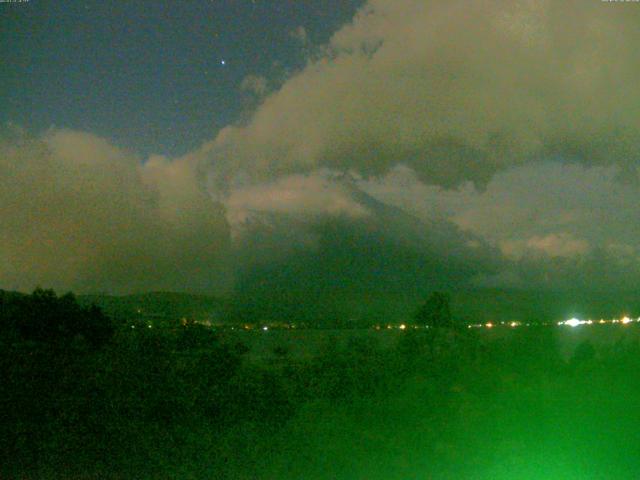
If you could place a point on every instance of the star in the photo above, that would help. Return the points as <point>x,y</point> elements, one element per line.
<point>222,62</point>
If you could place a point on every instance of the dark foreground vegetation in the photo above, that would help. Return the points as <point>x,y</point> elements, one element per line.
<point>83,399</point>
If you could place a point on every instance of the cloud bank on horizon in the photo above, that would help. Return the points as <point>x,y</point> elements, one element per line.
<point>505,128</point>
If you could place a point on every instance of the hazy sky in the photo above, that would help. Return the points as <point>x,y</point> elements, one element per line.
<point>211,146</point>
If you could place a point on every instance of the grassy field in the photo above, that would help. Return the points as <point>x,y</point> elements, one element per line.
<point>151,406</point>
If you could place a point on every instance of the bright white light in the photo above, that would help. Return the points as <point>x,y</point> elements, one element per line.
<point>573,322</point>
<point>626,320</point>
<point>265,328</point>
<point>489,325</point>
<point>403,326</point>
<point>222,62</point>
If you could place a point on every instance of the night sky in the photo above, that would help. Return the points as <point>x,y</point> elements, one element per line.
<point>363,146</point>
<point>150,75</point>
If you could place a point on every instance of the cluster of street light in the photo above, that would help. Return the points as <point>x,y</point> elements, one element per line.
<point>572,322</point>
<point>501,324</point>
<point>576,322</point>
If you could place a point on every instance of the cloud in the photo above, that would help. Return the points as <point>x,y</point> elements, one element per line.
<point>555,224</point>
<point>337,266</point>
<point>456,90</point>
<point>511,121</point>
<point>474,142</point>
<point>547,199</point>
<point>552,245</point>
<point>78,213</point>
<point>308,196</point>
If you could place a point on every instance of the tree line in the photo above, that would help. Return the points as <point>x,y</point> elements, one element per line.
<point>47,318</point>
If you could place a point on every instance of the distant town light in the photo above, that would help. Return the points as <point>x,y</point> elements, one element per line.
<point>626,320</point>
<point>573,322</point>
<point>403,326</point>
<point>265,328</point>
<point>488,325</point>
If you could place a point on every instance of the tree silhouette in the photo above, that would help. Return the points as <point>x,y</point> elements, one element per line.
<point>97,328</point>
<point>435,313</point>
<point>43,317</point>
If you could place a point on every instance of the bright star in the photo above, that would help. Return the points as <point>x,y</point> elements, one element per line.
<point>222,62</point>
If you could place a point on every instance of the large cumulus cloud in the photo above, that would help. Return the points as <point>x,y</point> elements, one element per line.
<point>457,90</point>
<point>78,213</point>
